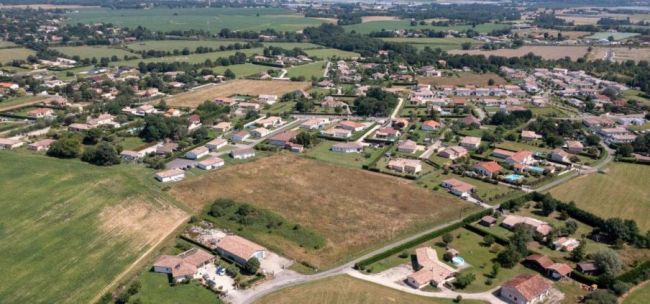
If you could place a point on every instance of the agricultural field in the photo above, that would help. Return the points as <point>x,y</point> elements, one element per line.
<point>239,87</point>
<point>199,18</point>
<point>622,54</point>
<point>638,295</point>
<point>192,58</point>
<point>7,55</point>
<point>617,36</point>
<point>170,45</point>
<point>99,222</point>
<point>636,95</point>
<point>328,53</point>
<point>94,51</point>
<point>546,52</point>
<point>308,71</point>
<point>390,25</point>
<point>19,102</point>
<point>436,43</point>
<point>620,192</point>
<point>6,44</point>
<point>156,289</point>
<point>354,210</point>
<point>464,79</point>
<point>552,33</point>
<point>243,70</point>
<point>345,289</point>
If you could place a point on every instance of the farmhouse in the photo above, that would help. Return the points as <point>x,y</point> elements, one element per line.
<point>172,175</point>
<point>432,271</point>
<point>541,227</point>
<point>8,144</point>
<point>210,163</point>
<point>457,187</point>
<point>525,289</point>
<point>41,113</point>
<point>239,249</point>
<point>453,152</point>
<point>242,153</point>
<point>41,145</point>
<point>184,266</point>
<point>489,168</point>
<point>216,144</point>
<point>430,125</point>
<point>197,152</point>
<point>470,142</point>
<point>405,165</point>
<point>348,147</point>
<point>283,138</point>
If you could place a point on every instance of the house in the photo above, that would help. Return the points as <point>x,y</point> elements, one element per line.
<point>216,144</point>
<point>351,125</point>
<point>41,145</point>
<point>521,157</point>
<point>239,249</point>
<point>240,136</point>
<point>559,271</point>
<point>565,244</point>
<point>501,153</point>
<point>545,264</point>
<point>172,175</point>
<point>408,146</point>
<point>314,123</point>
<point>336,132</point>
<point>431,270</point>
<point>8,144</point>
<point>488,168</point>
<point>400,123</point>
<point>470,120</point>
<point>211,163</point>
<point>488,221</point>
<point>348,147</point>
<point>194,122</point>
<point>541,227</point>
<point>166,148</point>
<point>268,99</point>
<point>574,147</point>
<point>225,101</point>
<point>525,289</point>
<point>129,155</point>
<point>458,187</point>
<point>223,127</point>
<point>430,125</point>
<point>269,122</point>
<point>529,135</point>
<point>560,155</point>
<point>283,138</point>
<point>41,113</point>
<point>101,120</point>
<point>588,268</point>
<point>405,165</point>
<point>453,152</point>
<point>295,148</point>
<point>242,153</point>
<point>470,142</point>
<point>184,266</point>
<point>197,152</point>
<point>260,132</point>
<point>172,113</point>
<point>387,134</point>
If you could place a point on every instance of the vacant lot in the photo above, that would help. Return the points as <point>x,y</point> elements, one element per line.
<point>243,70</point>
<point>436,43</point>
<point>68,228</point>
<point>547,52</point>
<point>235,87</point>
<point>345,289</point>
<point>94,51</point>
<point>622,192</point>
<point>464,79</point>
<point>308,71</point>
<point>354,210</point>
<point>7,55</point>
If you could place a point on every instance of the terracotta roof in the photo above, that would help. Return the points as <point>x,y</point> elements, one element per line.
<point>561,268</point>
<point>520,156</point>
<point>490,166</point>
<point>239,246</point>
<point>541,260</point>
<point>284,136</point>
<point>528,285</point>
<point>431,123</point>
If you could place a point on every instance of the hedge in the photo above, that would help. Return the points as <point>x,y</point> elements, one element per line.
<point>482,232</point>
<point>421,239</point>
<point>636,274</point>
<point>583,278</point>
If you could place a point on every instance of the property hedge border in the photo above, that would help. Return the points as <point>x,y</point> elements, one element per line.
<point>636,274</point>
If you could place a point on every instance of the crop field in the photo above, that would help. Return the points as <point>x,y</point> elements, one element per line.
<point>552,33</point>
<point>617,36</point>
<point>7,55</point>
<point>200,18</point>
<point>621,192</point>
<point>192,58</point>
<point>243,70</point>
<point>354,210</point>
<point>328,53</point>
<point>464,78</point>
<point>547,52</point>
<point>390,25</point>
<point>94,51</point>
<point>19,102</point>
<point>622,54</point>
<point>240,87</point>
<point>308,71</point>
<point>67,247</point>
<point>170,45</point>
<point>346,289</point>
<point>434,43</point>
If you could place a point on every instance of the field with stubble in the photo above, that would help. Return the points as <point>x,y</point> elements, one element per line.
<point>546,52</point>
<point>355,210</point>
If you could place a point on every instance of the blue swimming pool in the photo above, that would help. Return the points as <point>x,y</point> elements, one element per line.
<point>539,170</point>
<point>458,261</point>
<point>513,177</point>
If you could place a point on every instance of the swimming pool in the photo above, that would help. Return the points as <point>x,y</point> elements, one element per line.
<point>458,261</point>
<point>534,169</point>
<point>513,177</point>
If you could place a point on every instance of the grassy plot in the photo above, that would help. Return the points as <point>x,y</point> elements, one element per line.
<point>7,55</point>
<point>243,70</point>
<point>199,18</point>
<point>19,102</point>
<point>638,295</point>
<point>464,79</point>
<point>390,25</point>
<point>620,192</point>
<point>170,45</point>
<point>68,228</point>
<point>546,52</point>
<point>345,289</point>
<point>329,53</point>
<point>353,209</point>
<point>94,51</point>
<point>156,289</point>
<point>192,58</point>
<point>6,44</point>
<point>352,160</point>
<point>308,71</point>
<point>617,35</point>
<point>435,43</point>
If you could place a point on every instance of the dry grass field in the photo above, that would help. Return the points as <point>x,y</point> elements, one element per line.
<point>354,210</point>
<point>552,33</point>
<point>547,52</point>
<point>622,53</point>
<point>378,18</point>
<point>464,78</point>
<point>235,87</point>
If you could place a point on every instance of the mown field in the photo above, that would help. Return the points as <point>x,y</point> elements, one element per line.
<point>346,289</point>
<point>621,192</point>
<point>547,52</point>
<point>622,54</point>
<point>308,71</point>
<point>199,18</point>
<point>328,53</point>
<point>170,45</point>
<point>354,210</point>
<point>239,87</point>
<point>19,102</point>
<point>7,55</point>
<point>94,51</point>
<point>243,70</point>
<point>192,58</point>
<point>390,25</point>
<point>436,43</point>
<point>69,228</point>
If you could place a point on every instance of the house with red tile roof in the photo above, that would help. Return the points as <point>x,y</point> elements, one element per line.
<point>525,289</point>
<point>521,157</point>
<point>488,168</point>
<point>184,266</point>
<point>431,270</point>
<point>430,125</point>
<point>239,249</point>
<point>458,187</point>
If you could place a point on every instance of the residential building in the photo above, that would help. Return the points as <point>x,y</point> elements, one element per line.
<point>184,266</point>
<point>458,187</point>
<point>41,145</point>
<point>239,249</point>
<point>260,132</point>
<point>405,165</point>
<point>8,144</point>
<point>283,138</point>
<point>565,244</point>
<point>240,136</point>
<point>387,134</point>
<point>560,155</point>
<point>521,157</point>
<point>529,135</point>
<point>197,152</point>
<point>488,221</point>
<point>430,125</point>
<point>525,289</point>
<point>407,146</point>
<point>488,168</point>
<point>470,142</point>
<point>470,120</point>
<point>453,152</point>
<point>41,113</point>
<point>216,144</point>
<point>541,227</point>
<point>574,147</point>
<point>223,127</point>
<point>501,153</point>
<point>129,155</point>
<point>348,147</point>
<point>268,99</point>
<point>315,123</point>
<point>269,122</point>
<point>172,175</point>
<point>211,163</point>
<point>242,153</point>
<point>431,270</point>
<point>351,125</point>
<point>336,132</point>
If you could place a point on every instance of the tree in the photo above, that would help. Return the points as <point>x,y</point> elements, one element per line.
<point>65,147</point>
<point>600,296</point>
<point>306,139</point>
<point>105,154</point>
<point>608,261</point>
<point>490,82</point>
<point>548,206</point>
<point>495,270</point>
<point>464,280</point>
<point>625,150</point>
<point>578,253</point>
<point>447,238</point>
<point>466,45</point>
<point>229,74</point>
<point>252,265</point>
<point>488,240</point>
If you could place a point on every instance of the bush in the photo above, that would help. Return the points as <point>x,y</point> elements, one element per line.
<point>620,287</point>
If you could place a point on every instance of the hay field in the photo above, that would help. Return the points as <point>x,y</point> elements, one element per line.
<point>623,53</point>
<point>354,210</point>
<point>622,192</point>
<point>7,55</point>
<point>69,228</point>
<point>547,52</point>
<point>378,18</point>
<point>235,87</point>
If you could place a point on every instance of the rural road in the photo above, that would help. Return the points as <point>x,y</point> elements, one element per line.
<point>327,68</point>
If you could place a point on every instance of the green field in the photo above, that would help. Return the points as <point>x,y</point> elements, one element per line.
<point>620,192</point>
<point>328,53</point>
<point>434,43</point>
<point>192,58</point>
<point>170,45</point>
<point>156,289</point>
<point>617,36</point>
<point>308,71</point>
<point>639,295</point>
<point>243,70</point>
<point>68,228</point>
<point>6,44</point>
<point>7,55</point>
<point>352,160</point>
<point>94,51</point>
<point>390,25</point>
<point>199,18</point>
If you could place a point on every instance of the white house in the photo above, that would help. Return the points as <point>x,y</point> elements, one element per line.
<point>172,175</point>
<point>268,99</point>
<point>211,163</point>
<point>525,289</point>
<point>216,144</point>
<point>242,153</point>
<point>197,152</point>
<point>348,147</point>
<point>8,144</point>
<point>239,249</point>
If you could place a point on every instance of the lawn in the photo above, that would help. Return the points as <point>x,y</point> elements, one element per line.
<point>192,58</point>
<point>484,190</point>
<point>199,18</point>
<point>8,55</point>
<point>132,143</point>
<point>389,25</point>
<point>345,289</point>
<point>156,289</point>
<point>620,192</point>
<point>434,43</point>
<point>329,53</point>
<point>243,70</point>
<point>354,210</point>
<point>636,95</point>
<point>351,160</point>
<point>638,295</point>
<point>69,228</point>
<point>6,44</point>
<point>308,71</point>
<point>94,51</point>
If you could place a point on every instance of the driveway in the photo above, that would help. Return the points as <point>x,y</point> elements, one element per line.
<point>273,264</point>
<point>209,275</point>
